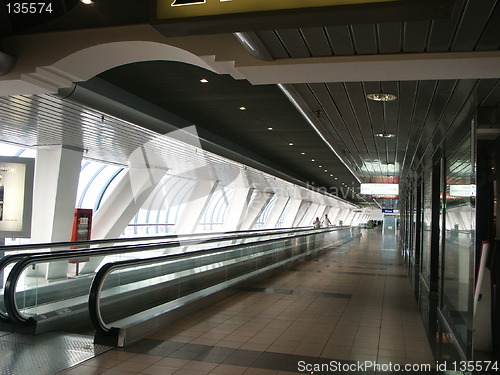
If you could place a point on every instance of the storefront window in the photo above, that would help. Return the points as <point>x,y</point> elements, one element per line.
<point>459,227</point>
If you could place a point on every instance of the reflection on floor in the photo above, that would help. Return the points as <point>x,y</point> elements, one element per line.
<point>348,305</point>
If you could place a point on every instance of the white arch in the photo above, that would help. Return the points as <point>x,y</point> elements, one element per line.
<point>94,60</point>
<point>91,61</point>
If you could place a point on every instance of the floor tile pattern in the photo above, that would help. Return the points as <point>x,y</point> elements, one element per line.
<point>348,304</point>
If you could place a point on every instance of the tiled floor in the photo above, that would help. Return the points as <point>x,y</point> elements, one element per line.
<point>351,303</point>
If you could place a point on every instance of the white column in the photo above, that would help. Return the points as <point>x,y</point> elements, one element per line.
<point>121,206</point>
<point>338,216</point>
<point>332,215</point>
<point>255,209</point>
<point>57,171</point>
<point>192,210</point>
<point>292,212</point>
<point>304,206</point>
<point>309,215</point>
<point>276,211</point>
<point>237,208</point>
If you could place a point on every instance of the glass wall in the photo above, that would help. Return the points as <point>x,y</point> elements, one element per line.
<point>426,228</point>
<point>458,222</point>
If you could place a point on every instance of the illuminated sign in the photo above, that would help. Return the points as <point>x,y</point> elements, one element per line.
<point>189,17</point>
<point>16,196</point>
<point>179,9</point>
<point>462,190</point>
<point>382,190</point>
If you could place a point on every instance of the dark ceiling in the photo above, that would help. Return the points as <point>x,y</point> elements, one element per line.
<point>215,106</point>
<point>423,114</point>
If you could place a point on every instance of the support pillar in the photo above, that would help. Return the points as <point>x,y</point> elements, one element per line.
<point>57,171</point>
<point>304,206</point>
<point>119,209</point>
<point>276,211</point>
<point>237,209</point>
<point>309,215</point>
<point>192,210</point>
<point>293,210</point>
<point>255,209</point>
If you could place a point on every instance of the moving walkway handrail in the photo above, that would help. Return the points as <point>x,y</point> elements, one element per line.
<point>108,268</point>
<point>9,259</point>
<point>53,245</point>
<point>13,312</point>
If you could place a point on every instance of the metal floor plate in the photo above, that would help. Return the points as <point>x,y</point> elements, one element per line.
<point>46,354</point>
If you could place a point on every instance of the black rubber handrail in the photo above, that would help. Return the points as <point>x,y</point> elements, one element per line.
<point>9,259</point>
<point>53,245</point>
<point>105,270</point>
<point>13,313</point>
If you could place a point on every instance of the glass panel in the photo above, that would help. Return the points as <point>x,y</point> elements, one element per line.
<point>458,237</point>
<point>165,283</point>
<point>60,286</point>
<point>426,227</point>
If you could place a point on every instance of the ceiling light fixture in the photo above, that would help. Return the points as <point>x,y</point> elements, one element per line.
<point>313,160</point>
<point>302,153</point>
<point>385,135</point>
<point>382,97</point>
<point>243,108</point>
<point>270,128</point>
<point>290,144</point>
<point>86,2</point>
<point>204,80</point>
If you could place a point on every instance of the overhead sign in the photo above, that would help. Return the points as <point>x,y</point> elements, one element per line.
<point>168,9</point>
<point>16,196</point>
<point>462,190</point>
<point>380,189</point>
<point>188,17</point>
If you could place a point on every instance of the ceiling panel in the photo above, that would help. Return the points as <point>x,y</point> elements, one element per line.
<point>489,38</point>
<point>317,41</point>
<point>443,30</point>
<point>390,36</point>
<point>341,40</point>
<point>365,39</point>
<point>491,96</point>
<point>294,42</point>
<point>473,24</point>
<point>415,36</point>
<point>470,28</point>
<point>273,44</point>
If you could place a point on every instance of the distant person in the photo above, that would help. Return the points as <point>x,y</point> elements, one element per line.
<point>317,223</point>
<point>326,221</point>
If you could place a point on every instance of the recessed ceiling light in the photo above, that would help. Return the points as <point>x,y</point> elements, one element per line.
<point>382,97</point>
<point>204,80</point>
<point>290,144</point>
<point>385,135</point>
<point>320,166</point>
<point>270,128</point>
<point>331,175</point>
<point>326,170</point>
<point>302,153</point>
<point>86,2</point>
<point>243,108</point>
<point>313,160</point>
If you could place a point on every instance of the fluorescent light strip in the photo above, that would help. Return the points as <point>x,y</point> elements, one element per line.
<point>311,122</point>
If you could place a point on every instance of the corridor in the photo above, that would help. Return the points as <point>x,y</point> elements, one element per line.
<point>328,314</point>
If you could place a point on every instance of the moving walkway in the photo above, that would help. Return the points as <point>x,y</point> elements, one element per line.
<point>136,286</point>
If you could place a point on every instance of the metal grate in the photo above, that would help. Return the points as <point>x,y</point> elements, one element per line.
<point>46,354</point>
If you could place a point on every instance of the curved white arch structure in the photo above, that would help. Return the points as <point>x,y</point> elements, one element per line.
<point>89,62</point>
